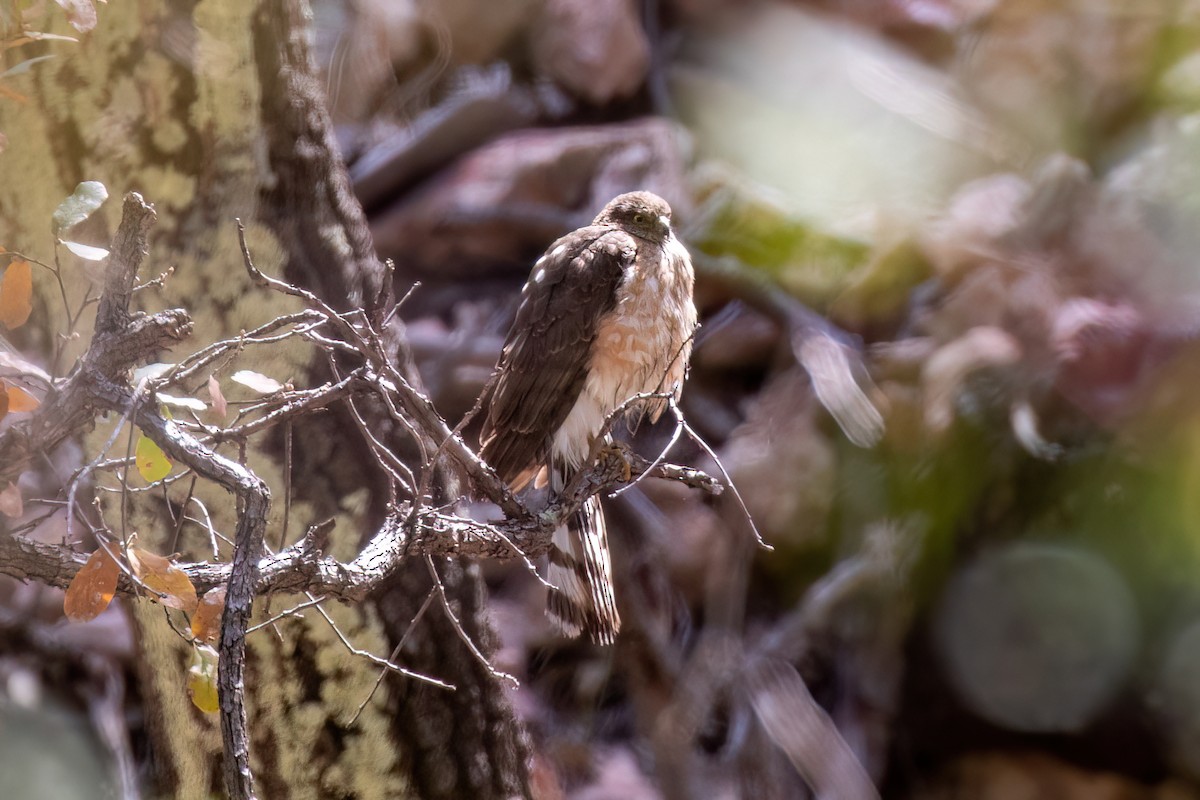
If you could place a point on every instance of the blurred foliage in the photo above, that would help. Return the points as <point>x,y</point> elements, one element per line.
<point>1024,168</point>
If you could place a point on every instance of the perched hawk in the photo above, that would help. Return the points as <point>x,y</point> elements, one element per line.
<point>607,314</point>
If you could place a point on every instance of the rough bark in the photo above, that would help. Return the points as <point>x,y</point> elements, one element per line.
<point>176,101</point>
<point>330,250</point>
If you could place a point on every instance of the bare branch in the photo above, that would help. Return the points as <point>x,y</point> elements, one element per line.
<point>100,382</point>
<point>120,342</point>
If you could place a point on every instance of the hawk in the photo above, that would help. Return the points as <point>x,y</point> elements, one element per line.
<point>606,315</point>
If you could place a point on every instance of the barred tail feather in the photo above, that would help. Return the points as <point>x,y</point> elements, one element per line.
<point>581,572</point>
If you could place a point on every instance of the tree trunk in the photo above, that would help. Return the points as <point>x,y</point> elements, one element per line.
<point>213,112</point>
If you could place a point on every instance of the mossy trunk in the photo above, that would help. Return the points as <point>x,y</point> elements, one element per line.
<point>212,112</point>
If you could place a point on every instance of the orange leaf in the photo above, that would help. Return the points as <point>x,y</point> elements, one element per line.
<point>21,400</point>
<point>206,622</point>
<point>11,504</point>
<point>162,576</point>
<point>16,294</point>
<point>202,680</point>
<point>152,463</point>
<point>92,588</point>
<point>4,400</point>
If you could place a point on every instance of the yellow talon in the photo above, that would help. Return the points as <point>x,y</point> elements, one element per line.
<point>619,451</point>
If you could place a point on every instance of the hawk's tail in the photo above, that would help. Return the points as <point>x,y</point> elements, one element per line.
<point>581,572</point>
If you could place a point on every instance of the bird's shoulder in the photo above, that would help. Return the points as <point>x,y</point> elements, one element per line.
<point>584,250</point>
<point>577,272</point>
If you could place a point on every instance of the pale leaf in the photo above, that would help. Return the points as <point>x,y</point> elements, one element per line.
<point>190,403</point>
<point>256,381</point>
<point>80,13</point>
<point>24,66</point>
<point>40,36</point>
<point>11,504</point>
<point>150,372</point>
<point>83,202</point>
<point>219,406</point>
<point>86,251</point>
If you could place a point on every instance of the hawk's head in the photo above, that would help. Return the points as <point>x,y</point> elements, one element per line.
<point>643,214</point>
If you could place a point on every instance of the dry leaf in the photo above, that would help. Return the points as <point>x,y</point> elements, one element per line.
<point>256,381</point>
<point>21,400</point>
<point>4,401</point>
<point>202,680</point>
<point>152,463</point>
<point>16,294</point>
<point>161,575</point>
<point>206,622</point>
<point>92,588</point>
<point>219,406</point>
<point>11,504</point>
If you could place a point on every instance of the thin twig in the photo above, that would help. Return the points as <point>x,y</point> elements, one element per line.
<point>458,628</point>
<point>374,659</point>
<point>412,625</point>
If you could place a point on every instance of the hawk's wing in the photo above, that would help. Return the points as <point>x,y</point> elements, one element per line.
<point>545,359</point>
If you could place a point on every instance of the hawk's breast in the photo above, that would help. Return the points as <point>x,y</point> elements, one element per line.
<point>641,346</point>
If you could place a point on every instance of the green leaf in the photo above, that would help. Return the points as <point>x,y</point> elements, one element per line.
<point>87,197</point>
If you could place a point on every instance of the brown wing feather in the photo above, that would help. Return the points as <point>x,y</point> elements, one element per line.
<point>544,361</point>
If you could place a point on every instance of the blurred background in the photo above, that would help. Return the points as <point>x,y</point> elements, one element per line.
<point>947,274</point>
<point>980,488</point>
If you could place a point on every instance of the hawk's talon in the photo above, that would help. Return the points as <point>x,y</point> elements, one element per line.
<point>622,454</point>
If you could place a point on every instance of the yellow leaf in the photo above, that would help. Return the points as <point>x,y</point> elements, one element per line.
<point>92,588</point>
<point>202,680</point>
<point>161,575</point>
<point>152,463</point>
<point>21,400</point>
<point>206,622</point>
<point>16,294</point>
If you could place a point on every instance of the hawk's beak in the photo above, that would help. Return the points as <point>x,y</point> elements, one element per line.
<point>665,220</point>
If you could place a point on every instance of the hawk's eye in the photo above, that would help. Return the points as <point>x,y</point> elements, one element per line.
<point>639,219</point>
